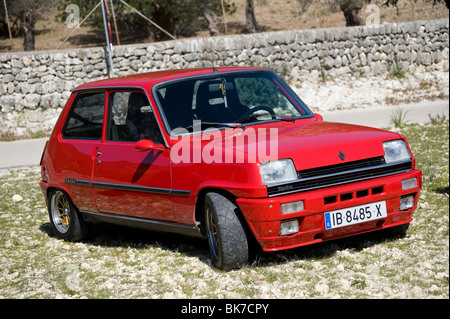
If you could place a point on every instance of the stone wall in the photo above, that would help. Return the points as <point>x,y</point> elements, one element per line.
<point>32,80</point>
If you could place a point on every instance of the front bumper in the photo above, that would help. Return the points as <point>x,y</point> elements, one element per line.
<point>264,214</point>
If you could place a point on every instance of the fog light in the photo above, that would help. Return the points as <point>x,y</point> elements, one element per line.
<point>293,207</point>
<point>289,227</point>
<point>409,183</point>
<point>407,202</point>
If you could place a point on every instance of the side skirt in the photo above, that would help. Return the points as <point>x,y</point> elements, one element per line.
<point>141,223</point>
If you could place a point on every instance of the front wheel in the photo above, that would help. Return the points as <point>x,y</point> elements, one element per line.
<point>227,239</point>
<point>65,218</point>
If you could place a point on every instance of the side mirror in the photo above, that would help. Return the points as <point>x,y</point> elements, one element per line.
<point>147,145</point>
<point>318,117</point>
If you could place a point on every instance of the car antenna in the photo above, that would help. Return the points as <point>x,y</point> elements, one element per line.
<point>209,58</point>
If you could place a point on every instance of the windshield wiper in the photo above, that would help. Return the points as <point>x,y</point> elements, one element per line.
<point>200,124</point>
<point>254,116</point>
<point>284,118</point>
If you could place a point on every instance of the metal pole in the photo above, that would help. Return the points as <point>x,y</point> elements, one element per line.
<point>108,44</point>
<point>115,22</point>
<point>224,18</point>
<point>7,22</point>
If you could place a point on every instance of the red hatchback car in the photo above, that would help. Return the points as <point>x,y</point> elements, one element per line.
<point>231,155</point>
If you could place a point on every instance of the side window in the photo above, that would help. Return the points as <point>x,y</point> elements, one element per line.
<point>131,118</point>
<point>85,119</point>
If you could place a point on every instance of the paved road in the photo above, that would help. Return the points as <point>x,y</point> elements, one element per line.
<point>28,152</point>
<point>21,153</point>
<point>380,117</point>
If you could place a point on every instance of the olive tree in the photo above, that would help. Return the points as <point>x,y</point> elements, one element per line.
<point>352,8</point>
<point>24,14</point>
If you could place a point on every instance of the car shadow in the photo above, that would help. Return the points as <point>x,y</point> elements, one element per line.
<point>326,249</point>
<point>146,163</point>
<point>110,235</point>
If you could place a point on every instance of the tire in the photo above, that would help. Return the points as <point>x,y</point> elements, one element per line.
<point>65,218</point>
<point>225,231</point>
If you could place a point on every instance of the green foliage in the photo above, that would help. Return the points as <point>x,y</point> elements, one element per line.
<point>178,17</point>
<point>398,117</point>
<point>167,14</point>
<point>18,10</point>
<point>395,2</point>
<point>437,119</point>
<point>398,71</point>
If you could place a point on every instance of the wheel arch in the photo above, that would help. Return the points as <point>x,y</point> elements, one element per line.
<point>199,204</point>
<point>52,188</point>
<point>199,208</point>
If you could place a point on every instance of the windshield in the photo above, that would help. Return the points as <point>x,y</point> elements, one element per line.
<point>228,99</point>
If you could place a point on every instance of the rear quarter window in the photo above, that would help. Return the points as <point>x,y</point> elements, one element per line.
<point>85,120</point>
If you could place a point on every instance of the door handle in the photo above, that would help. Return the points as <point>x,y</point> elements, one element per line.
<point>97,155</point>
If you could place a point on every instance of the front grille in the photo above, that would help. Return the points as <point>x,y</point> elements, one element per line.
<point>326,170</point>
<point>339,174</point>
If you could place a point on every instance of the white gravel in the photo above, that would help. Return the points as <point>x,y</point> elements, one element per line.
<point>367,92</point>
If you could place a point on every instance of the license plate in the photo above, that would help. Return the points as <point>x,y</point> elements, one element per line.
<point>355,215</point>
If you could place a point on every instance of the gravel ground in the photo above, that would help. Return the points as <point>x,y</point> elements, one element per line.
<point>123,263</point>
<point>329,94</point>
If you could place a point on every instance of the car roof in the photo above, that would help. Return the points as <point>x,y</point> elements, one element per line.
<point>149,79</point>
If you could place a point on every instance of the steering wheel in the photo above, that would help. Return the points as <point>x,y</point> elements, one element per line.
<point>259,108</point>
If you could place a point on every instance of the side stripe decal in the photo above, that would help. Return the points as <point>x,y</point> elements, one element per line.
<point>132,188</point>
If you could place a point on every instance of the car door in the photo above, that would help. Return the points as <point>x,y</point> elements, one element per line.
<point>126,181</point>
<point>78,145</point>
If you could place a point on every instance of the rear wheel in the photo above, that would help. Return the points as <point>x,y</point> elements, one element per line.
<point>65,218</point>
<point>227,239</point>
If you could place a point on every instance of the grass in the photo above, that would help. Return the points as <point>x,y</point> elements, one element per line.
<point>398,71</point>
<point>124,263</point>
<point>398,117</point>
<point>437,119</point>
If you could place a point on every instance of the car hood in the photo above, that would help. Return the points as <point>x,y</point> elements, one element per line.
<point>315,144</point>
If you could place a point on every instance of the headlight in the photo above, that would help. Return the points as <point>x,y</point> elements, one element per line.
<point>396,151</point>
<point>278,171</point>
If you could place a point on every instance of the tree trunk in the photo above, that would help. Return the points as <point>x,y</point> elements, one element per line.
<point>212,19</point>
<point>251,24</point>
<point>351,10</point>
<point>28,22</point>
